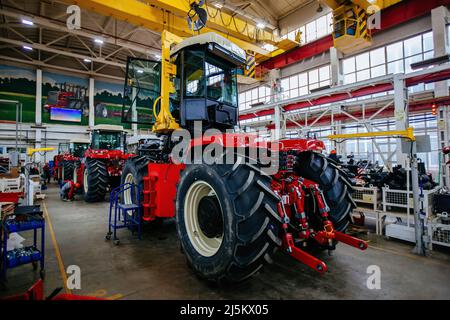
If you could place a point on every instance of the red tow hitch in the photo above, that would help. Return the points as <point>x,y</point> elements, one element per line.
<point>303,256</point>
<point>351,241</point>
<point>294,203</point>
<point>311,261</point>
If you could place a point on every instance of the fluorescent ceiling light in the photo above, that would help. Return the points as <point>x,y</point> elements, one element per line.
<point>27,22</point>
<point>28,48</point>
<point>261,25</point>
<point>158,57</point>
<point>99,41</point>
<point>87,60</point>
<point>268,47</point>
<point>218,5</point>
<point>140,71</point>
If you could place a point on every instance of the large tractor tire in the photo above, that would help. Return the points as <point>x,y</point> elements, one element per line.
<point>333,183</point>
<point>227,221</point>
<point>134,171</point>
<point>67,170</point>
<point>95,180</point>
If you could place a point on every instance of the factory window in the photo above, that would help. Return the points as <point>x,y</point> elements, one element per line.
<point>302,84</point>
<point>292,87</point>
<point>391,59</point>
<point>313,30</point>
<point>426,124</point>
<point>254,96</point>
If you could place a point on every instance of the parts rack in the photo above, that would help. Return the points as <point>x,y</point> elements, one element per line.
<point>24,218</point>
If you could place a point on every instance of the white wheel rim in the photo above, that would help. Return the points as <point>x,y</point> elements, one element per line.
<point>205,246</point>
<point>85,180</point>
<point>127,197</point>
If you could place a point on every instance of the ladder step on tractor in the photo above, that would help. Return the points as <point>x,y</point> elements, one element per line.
<point>124,211</point>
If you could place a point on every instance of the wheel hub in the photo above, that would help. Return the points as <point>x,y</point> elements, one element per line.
<point>210,217</point>
<point>203,218</point>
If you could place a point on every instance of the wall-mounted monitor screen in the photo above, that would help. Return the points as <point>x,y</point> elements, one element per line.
<point>62,114</point>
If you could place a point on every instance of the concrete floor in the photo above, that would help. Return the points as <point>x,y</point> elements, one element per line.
<point>154,268</point>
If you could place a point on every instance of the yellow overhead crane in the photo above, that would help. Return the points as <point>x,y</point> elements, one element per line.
<point>350,22</point>
<point>170,15</point>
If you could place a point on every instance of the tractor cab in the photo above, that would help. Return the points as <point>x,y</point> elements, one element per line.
<point>108,137</point>
<point>78,147</point>
<point>203,86</point>
<point>63,147</point>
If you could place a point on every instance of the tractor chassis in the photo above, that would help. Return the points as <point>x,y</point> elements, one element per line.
<point>160,188</point>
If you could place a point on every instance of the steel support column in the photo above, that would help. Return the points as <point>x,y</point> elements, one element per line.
<point>418,222</point>
<point>443,125</point>
<point>440,39</point>
<point>276,135</point>
<point>38,110</point>
<point>400,114</point>
<point>337,77</point>
<point>91,103</point>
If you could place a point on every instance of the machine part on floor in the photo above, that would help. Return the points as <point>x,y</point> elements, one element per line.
<point>231,216</point>
<point>441,202</point>
<point>102,163</point>
<point>439,230</point>
<point>409,136</point>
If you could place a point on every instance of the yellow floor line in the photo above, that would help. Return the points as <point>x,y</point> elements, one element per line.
<point>62,269</point>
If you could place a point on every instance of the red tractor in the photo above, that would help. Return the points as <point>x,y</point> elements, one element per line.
<point>244,198</point>
<point>102,164</point>
<point>69,155</point>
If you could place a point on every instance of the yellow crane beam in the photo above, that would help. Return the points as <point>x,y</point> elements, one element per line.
<point>31,151</point>
<point>158,19</point>
<point>381,4</point>
<point>220,21</point>
<point>406,134</point>
<point>365,4</point>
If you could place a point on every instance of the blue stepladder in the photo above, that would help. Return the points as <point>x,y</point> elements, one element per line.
<point>124,210</point>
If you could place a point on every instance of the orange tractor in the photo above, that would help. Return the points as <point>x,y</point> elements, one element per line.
<point>236,198</point>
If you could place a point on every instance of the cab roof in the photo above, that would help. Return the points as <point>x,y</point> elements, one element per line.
<point>229,50</point>
<point>109,127</point>
<point>80,140</point>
